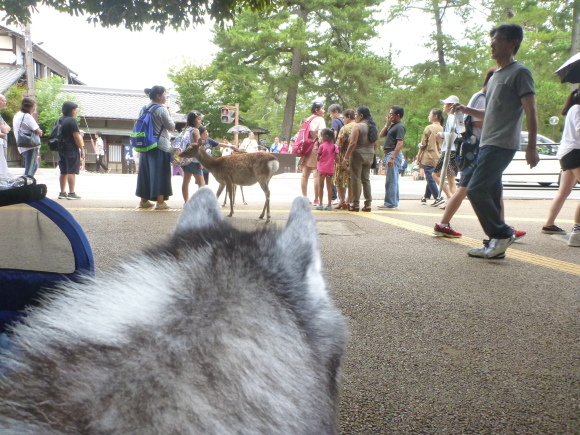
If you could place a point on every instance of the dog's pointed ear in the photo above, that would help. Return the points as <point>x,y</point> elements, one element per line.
<point>202,210</point>
<point>300,233</point>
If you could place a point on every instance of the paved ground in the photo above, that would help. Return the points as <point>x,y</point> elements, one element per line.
<point>439,342</point>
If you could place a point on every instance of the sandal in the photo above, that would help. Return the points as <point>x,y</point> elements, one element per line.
<point>366,208</point>
<point>351,208</point>
<point>342,206</point>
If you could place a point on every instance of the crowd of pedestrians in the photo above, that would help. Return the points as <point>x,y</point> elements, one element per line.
<point>344,154</point>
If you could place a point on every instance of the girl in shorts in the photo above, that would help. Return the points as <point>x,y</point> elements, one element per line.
<point>326,157</point>
<point>569,155</point>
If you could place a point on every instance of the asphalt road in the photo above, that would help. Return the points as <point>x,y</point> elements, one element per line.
<point>439,342</point>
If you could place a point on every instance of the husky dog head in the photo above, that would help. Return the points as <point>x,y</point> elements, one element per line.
<point>216,331</point>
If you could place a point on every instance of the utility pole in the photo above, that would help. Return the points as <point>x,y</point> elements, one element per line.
<point>28,61</point>
<point>237,122</point>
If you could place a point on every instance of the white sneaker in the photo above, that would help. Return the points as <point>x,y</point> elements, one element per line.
<point>574,239</point>
<point>161,206</point>
<point>497,247</point>
<point>335,201</point>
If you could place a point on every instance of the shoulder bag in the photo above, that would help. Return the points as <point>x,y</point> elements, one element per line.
<point>27,139</point>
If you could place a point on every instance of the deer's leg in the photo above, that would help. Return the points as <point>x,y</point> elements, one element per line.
<point>266,189</point>
<point>243,199</point>
<point>219,192</point>
<point>230,190</point>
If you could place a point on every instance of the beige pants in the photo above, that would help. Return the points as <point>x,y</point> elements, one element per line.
<point>360,167</point>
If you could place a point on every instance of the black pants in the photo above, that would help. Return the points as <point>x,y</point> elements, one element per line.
<point>100,163</point>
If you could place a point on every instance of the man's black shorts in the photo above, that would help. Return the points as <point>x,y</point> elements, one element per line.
<point>571,160</point>
<point>69,161</point>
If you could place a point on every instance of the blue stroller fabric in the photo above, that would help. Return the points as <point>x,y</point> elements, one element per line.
<point>20,284</point>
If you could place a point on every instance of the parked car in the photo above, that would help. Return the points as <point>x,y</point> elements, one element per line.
<point>546,173</point>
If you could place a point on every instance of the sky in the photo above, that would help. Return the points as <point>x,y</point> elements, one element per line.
<point>120,59</point>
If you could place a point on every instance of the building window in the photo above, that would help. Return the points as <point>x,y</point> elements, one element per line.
<point>115,153</point>
<point>51,73</point>
<point>38,70</point>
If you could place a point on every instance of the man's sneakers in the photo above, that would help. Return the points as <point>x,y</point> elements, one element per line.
<point>574,239</point>
<point>423,201</point>
<point>494,248</point>
<point>335,201</point>
<point>445,231</point>
<point>72,195</point>
<point>439,201</point>
<point>497,247</point>
<point>553,229</point>
<point>62,195</point>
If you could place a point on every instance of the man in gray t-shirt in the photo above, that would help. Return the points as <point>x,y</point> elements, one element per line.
<point>510,94</point>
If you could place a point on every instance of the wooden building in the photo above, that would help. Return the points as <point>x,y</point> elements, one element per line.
<point>113,112</point>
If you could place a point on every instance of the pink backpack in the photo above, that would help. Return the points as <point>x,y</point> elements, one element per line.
<point>303,144</point>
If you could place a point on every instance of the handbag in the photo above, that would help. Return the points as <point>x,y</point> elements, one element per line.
<point>27,139</point>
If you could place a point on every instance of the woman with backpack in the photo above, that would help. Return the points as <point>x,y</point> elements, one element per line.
<point>154,177</point>
<point>308,162</point>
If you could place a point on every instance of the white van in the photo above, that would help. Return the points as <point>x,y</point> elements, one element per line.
<point>545,174</point>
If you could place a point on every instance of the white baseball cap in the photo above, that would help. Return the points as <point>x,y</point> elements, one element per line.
<point>452,99</point>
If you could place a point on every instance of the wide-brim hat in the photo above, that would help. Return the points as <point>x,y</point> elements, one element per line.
<point>451,99</point>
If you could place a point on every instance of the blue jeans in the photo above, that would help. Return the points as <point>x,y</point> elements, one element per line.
<point>485,190</point>
<point>30,161</point>
<point>431,184</point>
<point>392,180</point>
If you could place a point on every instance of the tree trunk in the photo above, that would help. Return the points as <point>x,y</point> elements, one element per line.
<point>575,28</point>
<point>296,75</point>
<point>575,33</point>
<point>439,37</point>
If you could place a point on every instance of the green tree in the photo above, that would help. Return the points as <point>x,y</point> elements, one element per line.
<point>13,99</point>
<point>437,10</point>
<point>134,14</point>
<point>49,100</point>
<point>314,48</point>
<point>548,26</point>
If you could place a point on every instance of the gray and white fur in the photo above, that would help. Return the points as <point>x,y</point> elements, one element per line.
<point>218,331</point>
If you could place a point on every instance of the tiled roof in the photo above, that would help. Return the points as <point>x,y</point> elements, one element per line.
<point>9,74</point>
<point>115,103</point>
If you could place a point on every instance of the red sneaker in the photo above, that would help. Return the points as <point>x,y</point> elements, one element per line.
<point>445,231</point>
<point>519,233</point>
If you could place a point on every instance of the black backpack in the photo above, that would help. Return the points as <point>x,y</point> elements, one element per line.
<point>55,139</point>
<point>467,144</point>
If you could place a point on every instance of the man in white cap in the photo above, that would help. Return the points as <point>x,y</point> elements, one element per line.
<point>510,93</point>
<point>452,169</point>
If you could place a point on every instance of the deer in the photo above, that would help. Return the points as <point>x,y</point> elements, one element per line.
<point>243,169</point>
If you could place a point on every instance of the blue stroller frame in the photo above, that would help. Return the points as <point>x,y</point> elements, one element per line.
<point>21,288</point>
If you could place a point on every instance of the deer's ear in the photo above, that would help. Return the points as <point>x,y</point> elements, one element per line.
<point>200,211</point>
<point>300,236</point>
